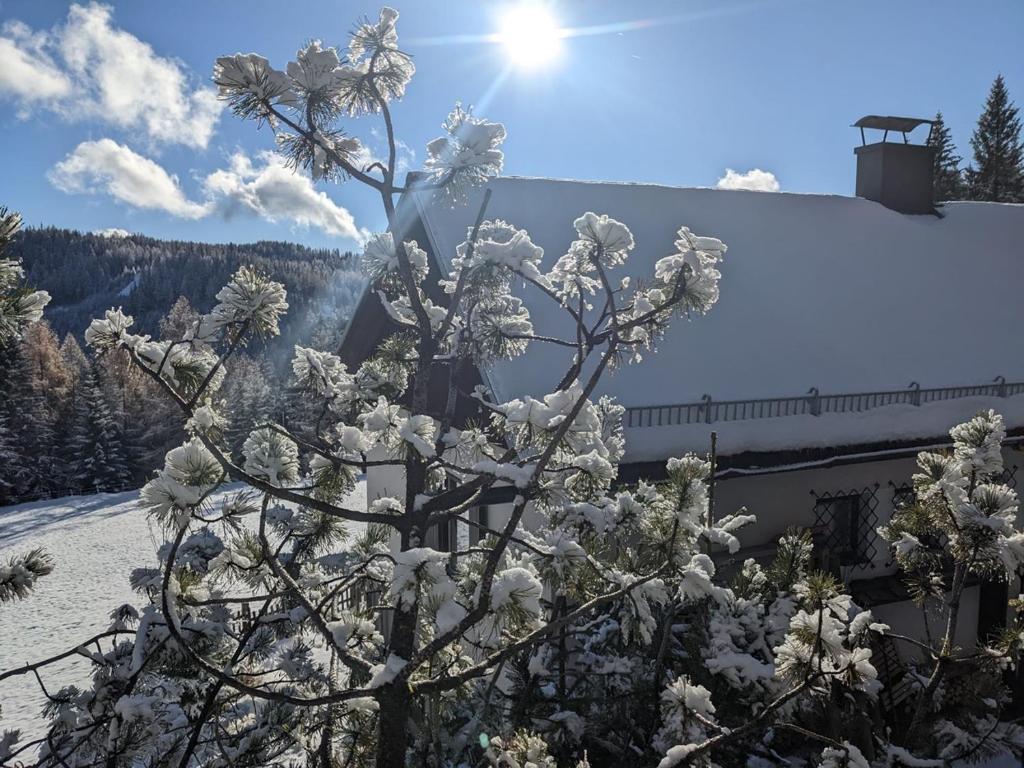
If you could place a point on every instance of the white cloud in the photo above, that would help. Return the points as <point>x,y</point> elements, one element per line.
<point>106,166</point>
<point>265,188</point>
<point>26,69</point>
<point>88,68</point>
<point>754,179</point>
<point>114,232</point>
<point>273,191</point>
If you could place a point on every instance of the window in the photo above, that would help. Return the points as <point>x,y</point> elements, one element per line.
<point>847,521</point>
<point>444,537</point>
<point>482,516</point>
<point>843,521</point>
<point>441,536</point>
<point>455,535</point>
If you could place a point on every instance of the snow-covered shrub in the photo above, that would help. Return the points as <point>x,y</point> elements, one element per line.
<point>962,523</point>
<point>261,642</point>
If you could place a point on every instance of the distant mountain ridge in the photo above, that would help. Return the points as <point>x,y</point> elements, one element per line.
<point>87,273</point>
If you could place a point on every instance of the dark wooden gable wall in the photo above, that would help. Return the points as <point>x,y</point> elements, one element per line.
<point>371,325</point>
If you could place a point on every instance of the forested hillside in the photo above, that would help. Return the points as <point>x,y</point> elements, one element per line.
<point>71,422</point>
<point>88,273</point>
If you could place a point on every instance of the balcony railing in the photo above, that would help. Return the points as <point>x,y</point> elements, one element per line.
<point>709,411</point>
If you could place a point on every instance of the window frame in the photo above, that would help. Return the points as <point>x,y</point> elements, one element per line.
<point>856,545</point>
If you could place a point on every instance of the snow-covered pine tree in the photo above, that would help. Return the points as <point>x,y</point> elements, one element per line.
<point>962,525</point>
<point>19,305</point>
<point>997,173</point>
<point>146,421</point>
<point>38,385</point>
<point>10,454</point>
<point>79,369</point>
<point>74,358</point>
<point>783,660</point>
<point>947,177</point>
<point>10,451</point>
<point>309,673</point>
<point>328,331</point>
<point>179,319</point>
<point>142,417</point>
<point>248,398</point>
<point>94,446</point>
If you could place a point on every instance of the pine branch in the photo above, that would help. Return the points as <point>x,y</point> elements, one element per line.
<point>18,578</point>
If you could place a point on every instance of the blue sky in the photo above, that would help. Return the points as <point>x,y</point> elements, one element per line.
<point>687,90</point>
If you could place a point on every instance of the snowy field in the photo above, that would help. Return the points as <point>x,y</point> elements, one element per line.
<point>96,541</point>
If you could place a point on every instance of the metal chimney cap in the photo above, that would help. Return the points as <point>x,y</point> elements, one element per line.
<point>891,123</point>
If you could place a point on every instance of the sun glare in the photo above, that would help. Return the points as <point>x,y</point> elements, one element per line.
<point>531,35</point>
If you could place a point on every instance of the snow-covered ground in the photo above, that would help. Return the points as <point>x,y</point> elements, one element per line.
<point>96,541</point>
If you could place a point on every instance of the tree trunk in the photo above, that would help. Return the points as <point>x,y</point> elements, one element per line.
<point>924,698</point>
<point>393,728</point>
<point>396,702</point>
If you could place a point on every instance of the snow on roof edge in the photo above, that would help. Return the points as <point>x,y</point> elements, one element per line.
<point>892,423</point>
<point>419,194</point>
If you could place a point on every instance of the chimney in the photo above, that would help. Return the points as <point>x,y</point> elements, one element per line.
<point>896,174</point>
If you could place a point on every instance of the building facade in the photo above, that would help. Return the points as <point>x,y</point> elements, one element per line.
<point>848,337</point>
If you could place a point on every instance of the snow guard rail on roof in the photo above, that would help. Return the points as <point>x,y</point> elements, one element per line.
<point>708,411</point>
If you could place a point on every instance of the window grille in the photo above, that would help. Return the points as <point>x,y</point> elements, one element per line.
<point>1008,476</point>
<point>847,520</point>
<point>903,495</point>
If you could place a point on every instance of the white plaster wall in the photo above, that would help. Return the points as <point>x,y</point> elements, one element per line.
<point>780,501</point>
<point>907,619</point>
<point>384,481</point>
<point>784,500</point>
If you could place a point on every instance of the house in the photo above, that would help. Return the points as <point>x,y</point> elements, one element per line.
<point>851,333</point>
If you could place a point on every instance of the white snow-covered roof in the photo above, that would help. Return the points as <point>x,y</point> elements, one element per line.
<point>824,291</point>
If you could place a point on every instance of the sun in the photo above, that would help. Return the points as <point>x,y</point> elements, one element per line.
<point>531,35</point>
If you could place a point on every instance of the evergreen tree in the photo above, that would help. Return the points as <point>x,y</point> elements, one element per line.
<point>18,578</point>
<point>249,400</point>
<point>143,418</point>
<point>39,387</point>
<point>327,331</point>
<point>947,178</point>
<point>179,319</point>
<point>74,358</point>
<point>95,445</point>
<point>10,459</point>
<point>10,448</point>
<point>997,174</point>
<point>32,430</point>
